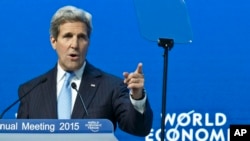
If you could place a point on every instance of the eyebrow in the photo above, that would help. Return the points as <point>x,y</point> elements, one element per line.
<point>70,34</point>
<point>67,34</point>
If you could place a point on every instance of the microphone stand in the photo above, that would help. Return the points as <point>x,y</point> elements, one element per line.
<point>7,109</point>
<point>44,79</point>
<point>167,44</point>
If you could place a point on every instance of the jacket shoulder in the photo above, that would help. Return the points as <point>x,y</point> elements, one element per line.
<point>38,79</point>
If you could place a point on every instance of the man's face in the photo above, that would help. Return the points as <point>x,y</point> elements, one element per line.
<point>71,45</point>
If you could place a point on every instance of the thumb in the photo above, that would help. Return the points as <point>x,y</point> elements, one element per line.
<point>139,68</point>
<point>125,74</point>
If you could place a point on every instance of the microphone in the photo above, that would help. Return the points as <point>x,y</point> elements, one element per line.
<point>19,99</point>
<point>73,85</point>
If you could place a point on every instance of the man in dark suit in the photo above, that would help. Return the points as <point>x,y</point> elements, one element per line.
<point>96,94</point>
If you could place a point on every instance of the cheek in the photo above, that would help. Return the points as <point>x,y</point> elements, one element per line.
<point>84,49</point>
<point>61,49</point>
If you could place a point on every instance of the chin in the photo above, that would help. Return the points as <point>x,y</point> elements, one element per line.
<point>74,66</point>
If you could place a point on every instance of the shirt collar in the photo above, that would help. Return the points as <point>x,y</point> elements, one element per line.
<point>61,72</point>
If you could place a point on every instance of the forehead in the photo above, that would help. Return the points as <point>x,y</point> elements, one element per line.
<point>73,27</point>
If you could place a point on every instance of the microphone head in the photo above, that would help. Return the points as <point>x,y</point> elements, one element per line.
<point>73,85</point>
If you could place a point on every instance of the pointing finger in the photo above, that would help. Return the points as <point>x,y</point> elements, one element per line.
<point>139,68</point>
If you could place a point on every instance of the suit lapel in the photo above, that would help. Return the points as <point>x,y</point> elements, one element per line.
<point>89,84</point>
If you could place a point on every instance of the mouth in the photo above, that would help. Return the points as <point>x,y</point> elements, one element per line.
<point>73,56</point>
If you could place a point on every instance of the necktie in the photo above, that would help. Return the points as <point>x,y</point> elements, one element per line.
<point>64,99</point>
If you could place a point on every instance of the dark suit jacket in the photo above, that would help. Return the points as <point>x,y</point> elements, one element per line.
<point>108,98</point>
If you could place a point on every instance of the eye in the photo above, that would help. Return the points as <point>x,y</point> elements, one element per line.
<point>83,36</point>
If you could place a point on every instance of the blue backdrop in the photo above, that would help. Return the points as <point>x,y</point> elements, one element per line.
<point>208,80</point>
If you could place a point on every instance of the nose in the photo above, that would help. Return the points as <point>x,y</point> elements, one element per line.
<point>74,42</point>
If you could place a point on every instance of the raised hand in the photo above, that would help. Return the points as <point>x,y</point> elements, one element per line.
<point>135,81</point>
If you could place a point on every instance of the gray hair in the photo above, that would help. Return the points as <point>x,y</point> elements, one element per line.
<point>69,14</point>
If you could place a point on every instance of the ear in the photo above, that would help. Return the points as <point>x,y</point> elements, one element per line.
<point>53,42</point>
